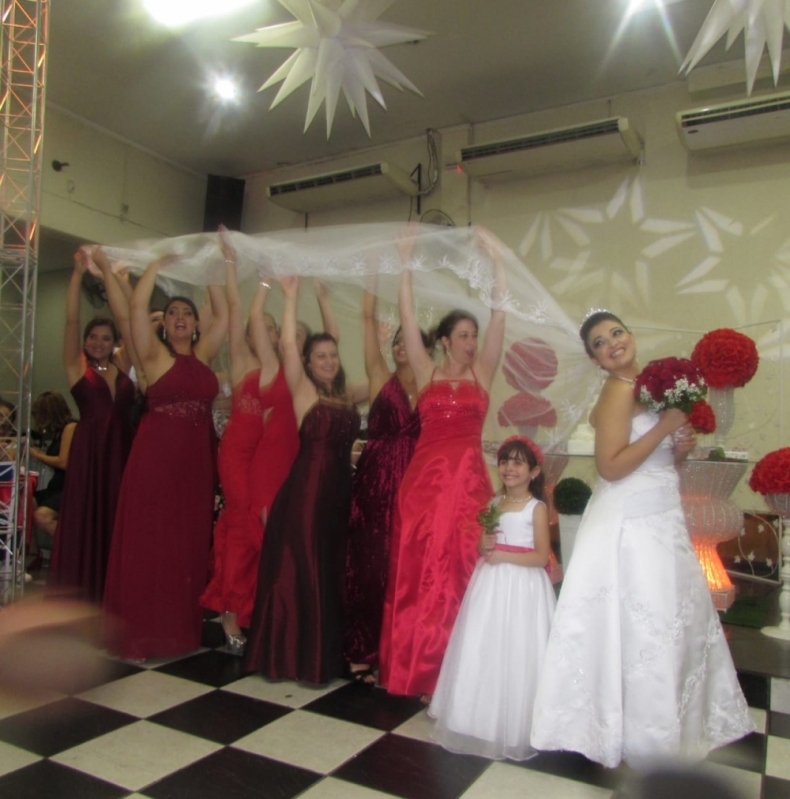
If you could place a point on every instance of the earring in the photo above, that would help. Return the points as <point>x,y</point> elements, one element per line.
<point>194,335</point>
<point>164,334</point>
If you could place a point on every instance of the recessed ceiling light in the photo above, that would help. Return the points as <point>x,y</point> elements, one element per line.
<point>181,12</point>
<point>226,89</point>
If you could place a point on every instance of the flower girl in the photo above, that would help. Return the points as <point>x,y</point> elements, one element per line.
<point>483,700</point>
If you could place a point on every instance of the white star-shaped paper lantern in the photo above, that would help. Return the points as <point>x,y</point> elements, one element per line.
<point>763,23</point>
<point>336,45</point>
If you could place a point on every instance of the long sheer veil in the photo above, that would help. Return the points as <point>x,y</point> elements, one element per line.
<point>545,382</point>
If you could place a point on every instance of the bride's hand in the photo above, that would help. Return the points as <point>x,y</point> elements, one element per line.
<point>685,439</point>
<point>672,419</point>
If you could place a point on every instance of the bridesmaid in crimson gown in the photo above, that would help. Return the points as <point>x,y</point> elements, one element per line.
<point>238,532</point>
<point>159,559</point>
<point>435,531</point>
<point>296,630</point>
<point>393,425</point>
<point>104,396</point>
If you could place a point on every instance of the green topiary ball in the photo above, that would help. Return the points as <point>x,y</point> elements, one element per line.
<point>571,496</point>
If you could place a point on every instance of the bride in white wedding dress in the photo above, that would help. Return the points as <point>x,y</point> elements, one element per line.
<point>637,666</point>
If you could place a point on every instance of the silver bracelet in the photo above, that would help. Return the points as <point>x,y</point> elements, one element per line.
<point>265,284</point>
<point>230,260</point>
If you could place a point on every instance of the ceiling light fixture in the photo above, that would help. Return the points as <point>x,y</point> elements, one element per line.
<point>762,22</point>
<point>175,13</point>
<point>226,89</point>
<point>336,45</point>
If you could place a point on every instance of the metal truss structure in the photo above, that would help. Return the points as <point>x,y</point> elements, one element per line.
<point>23,47</point>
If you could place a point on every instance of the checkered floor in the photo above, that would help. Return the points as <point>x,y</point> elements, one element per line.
<point>197,727</point>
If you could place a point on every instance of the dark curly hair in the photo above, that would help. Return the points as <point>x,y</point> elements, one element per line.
<point>591,321</point>
<point>338,388</point>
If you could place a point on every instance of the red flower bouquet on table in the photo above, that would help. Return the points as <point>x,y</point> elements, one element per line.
<point>670,383</point>
<point>702,418</point>
<point>726,358</point>
<point>771,474</point>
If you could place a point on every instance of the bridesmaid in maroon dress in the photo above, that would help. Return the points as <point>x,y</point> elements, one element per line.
<point>296,630</point>
<point>104,396</point>
<point>435,531</point>
<point>159,559</point>
<point>393,425</point>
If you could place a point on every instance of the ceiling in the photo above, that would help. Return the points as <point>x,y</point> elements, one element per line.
<point>112,65</point>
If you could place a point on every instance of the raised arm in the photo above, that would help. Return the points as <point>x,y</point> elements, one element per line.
<point>118,299</point>
<point>264,348</point>
<point>211,339</point>
<point>73,361</point>
<point>375,364</point>
<point>327,314</point>
<point>303,391</point>
<point>154,356</point>
<point>419,360</point>
<point>242,359</point>
<point>491,351</point>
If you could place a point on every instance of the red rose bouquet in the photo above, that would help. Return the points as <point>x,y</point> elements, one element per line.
<point>702,418</point>
<point>771,474</point>
<point>530,365</point>
<point>527,410</point>
<point>726,358</point>
<point>670,383</point>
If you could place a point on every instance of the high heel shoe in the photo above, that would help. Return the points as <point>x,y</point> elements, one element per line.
<point>235,643</point>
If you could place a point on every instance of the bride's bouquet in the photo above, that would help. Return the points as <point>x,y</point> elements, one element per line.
<point>670,383</point>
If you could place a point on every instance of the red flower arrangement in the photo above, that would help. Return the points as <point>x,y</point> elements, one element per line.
<point>530,364</point>
<point>726,358</point>
<point>670,383</point>
<point>527,410</point>
<point>702,418</point>
<point>771,474</point>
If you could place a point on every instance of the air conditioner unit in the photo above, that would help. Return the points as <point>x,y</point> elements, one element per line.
<point>761,120</point>
<point>577,147</point>
<point>359,185</point>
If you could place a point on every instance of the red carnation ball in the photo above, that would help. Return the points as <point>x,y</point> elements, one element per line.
<point>527,410</point>
<point>771,474</point>
<point>726,358</point>
<point>702,418</point>
<point>530,365</point>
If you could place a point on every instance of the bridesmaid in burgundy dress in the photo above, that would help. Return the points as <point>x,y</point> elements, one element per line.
<point>435,530</point>
<point>104,396</point>
<point>159,559</point>
<point>296,630</point>
<point>394,425</point>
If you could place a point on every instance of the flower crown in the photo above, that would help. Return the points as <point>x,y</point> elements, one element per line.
<point>535,449</point>
<point>590,313</point>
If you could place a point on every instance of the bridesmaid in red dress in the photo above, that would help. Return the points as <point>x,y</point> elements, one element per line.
<point>104,396</point>
<point>159,559</point>
<point>393,425</point>
<point>238,533</point>
<point>435,531</point>
<point>296,630</point>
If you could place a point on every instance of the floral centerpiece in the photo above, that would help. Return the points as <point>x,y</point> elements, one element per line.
<point>771,474</point>
<point>670,383</point>
<point>702,418</point>
<point>571,496</point>
<point>726,358</point>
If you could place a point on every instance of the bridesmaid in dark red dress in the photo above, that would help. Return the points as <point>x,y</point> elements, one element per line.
<point>393,425</point>
<point>159,559</point>
<point>104,396</point>
<point>435,531</point>
<point>296,630</point>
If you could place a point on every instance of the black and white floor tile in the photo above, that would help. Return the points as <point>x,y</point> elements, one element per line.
<point>196,727</point>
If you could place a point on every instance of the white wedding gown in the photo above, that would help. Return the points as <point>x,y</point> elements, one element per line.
<point>637,666</point>
<point>483,699</point>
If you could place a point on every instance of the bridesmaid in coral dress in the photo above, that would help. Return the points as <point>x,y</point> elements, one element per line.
<point>104,395</point>
<point>435,531</point>
<point>393,425</point>
<point>296,630</point>
<point>160,551</point>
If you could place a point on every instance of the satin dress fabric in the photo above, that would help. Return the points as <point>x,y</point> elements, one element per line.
<point>435,534</point>
<point>97,458</point>
<point>238,531</point>
<point>159,559</point>
<point>637,666</point>
<point>483,700</point>
<point>276,450</point>
<point>394,428</point>
<point>297,624</point>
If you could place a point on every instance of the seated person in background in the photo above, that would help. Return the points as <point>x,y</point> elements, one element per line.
<point>55,425</point>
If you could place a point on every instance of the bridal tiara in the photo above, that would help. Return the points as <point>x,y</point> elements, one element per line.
<point>592,312</point>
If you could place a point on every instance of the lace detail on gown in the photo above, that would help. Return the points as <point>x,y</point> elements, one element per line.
<point>637,666</point>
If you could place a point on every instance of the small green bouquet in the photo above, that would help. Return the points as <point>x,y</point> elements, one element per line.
<point>489,517</point>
